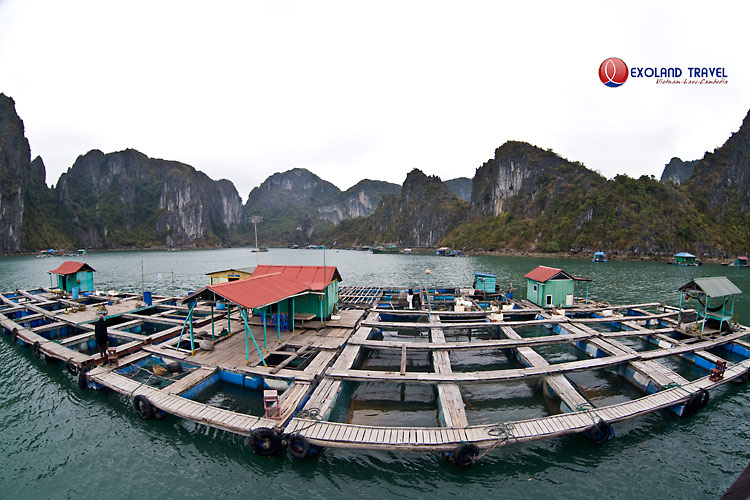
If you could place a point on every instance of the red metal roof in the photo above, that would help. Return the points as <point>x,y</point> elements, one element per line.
<point>316,277</point>
<point>256,291</point>
<point>544,273</point>
<point>71,267</point>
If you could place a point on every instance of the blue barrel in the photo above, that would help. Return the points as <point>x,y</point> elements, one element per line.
<point>147,298</point>
<point>220,306</point>
<point>75,292</point>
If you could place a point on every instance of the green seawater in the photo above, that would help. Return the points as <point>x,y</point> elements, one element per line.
<point>57,441</point>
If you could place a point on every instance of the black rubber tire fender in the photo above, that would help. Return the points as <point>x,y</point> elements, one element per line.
<point>703,398</point>
<point>298,445</point>
<point>600,432</point>
<point>465,455</point>
<point>82,382</point>
<point>14,334</point>
<point>143,407</point>
<point>691,406</point>
<point>37,349</point>
<point>72,368</point>
<point>266,441</point>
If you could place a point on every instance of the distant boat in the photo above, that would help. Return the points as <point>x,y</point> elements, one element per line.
<point>261,249</point>
<point>741,261</point>
<point>599,257</point>
<point>448,252</point>
<point>686,259</point>
<point>407,251</point>
<point>387,249</point>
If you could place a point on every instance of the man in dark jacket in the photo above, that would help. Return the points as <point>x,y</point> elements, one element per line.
<point>100,335</point>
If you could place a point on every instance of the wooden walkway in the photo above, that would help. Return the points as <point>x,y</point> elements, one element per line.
<point>342,435</point>
<point>314,362</point>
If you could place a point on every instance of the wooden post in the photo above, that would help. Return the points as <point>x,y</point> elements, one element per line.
<point>278,322</point>
<point>192,338</point>
<point>190,313</point>
<point>229,321</point>
<point>679,314</point>
<point>292,316</point>
<point>247,329</point>
<point>265,343</point>
<point>212,322</point>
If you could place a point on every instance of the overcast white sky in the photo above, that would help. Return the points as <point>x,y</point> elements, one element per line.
<point>353,90</point>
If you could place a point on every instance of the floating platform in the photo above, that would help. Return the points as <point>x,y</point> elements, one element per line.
<point>305,388</point>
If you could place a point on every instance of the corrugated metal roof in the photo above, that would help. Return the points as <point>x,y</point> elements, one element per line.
<point>71,267</point>
<point>544,273</point>
<point>718,286</point>
<point>256,291</point>
<point>684,254</point>
<point>316,277</point>
<point>248,270</point>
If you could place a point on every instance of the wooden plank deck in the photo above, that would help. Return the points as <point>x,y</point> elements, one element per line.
<point>218,418</point>
<point>450,402</point>
<point>484,436</point>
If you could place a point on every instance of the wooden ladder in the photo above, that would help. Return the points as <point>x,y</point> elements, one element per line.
<point>271,404</point>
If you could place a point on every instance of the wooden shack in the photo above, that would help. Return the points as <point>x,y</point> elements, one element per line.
<point>715,297</point>
<point>227,275</point>
<point>740,261</point>
<point>552,287</point>
<point>485,282</point>
<point>685,259</point>
<point>322,283</point>
<point>70,275</point>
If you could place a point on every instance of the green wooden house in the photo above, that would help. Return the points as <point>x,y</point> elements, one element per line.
<point>73,275</point>
<point>322,285</point>
<point>552,287</point>
<point>715,298</point>
<point>485,282</point>
<point>686,259</point>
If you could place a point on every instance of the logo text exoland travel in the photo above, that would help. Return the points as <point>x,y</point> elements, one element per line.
<point>614,72</point>
<point>673,76</point>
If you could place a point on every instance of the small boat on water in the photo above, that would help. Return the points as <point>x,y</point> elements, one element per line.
<point>392,248</point>
<point>599,257</point>
<point>448,252</point>
<point>686,259</point>
<point>261,249</point>
<point>741,261</point>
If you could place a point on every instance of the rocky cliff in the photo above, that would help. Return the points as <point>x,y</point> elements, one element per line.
<point>14,168</point>
<point>126,199</point>
<point>461,187</point>
<point>28,218</point>
<point>359,200</point>
<point>678,171</point>
<point>419,216</point>
<point>722,178</point>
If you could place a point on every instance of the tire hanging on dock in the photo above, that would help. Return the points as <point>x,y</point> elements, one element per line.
<point>266,442</point>
<point>37,349</point>
<point>465,455</point>
<point>72,368</point>
<point>143,407</point>
<point>600,432</point>
<point>14,335</point>
<point>697,401</point>
<point>298,446</point>
<point>82,382</point>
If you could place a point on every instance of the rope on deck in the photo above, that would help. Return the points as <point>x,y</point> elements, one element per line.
<point>504,433</point>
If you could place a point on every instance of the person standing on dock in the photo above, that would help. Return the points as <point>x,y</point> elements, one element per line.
<point>100,335</point>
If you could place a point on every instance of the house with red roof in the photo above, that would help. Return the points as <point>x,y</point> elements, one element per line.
<point>72,274</point>
<point>551,287</point>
